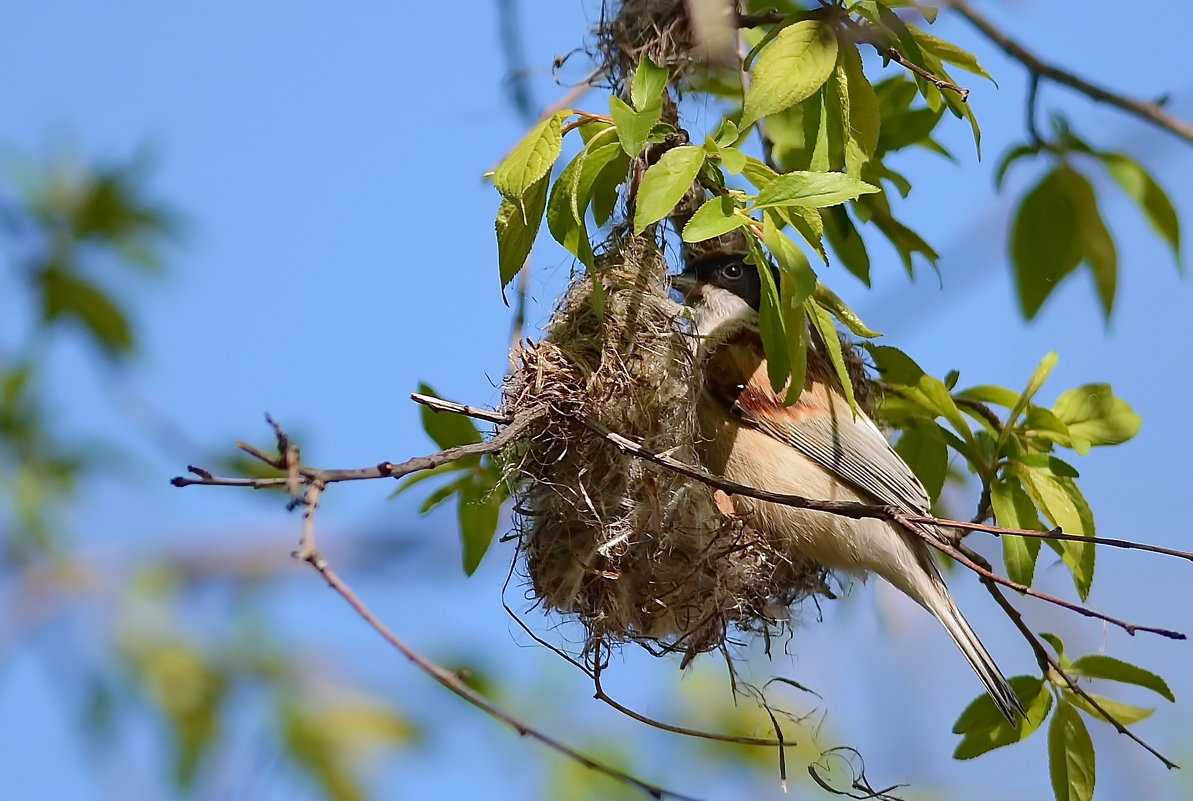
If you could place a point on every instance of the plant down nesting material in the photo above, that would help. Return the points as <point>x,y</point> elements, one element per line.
<point>636,552</point>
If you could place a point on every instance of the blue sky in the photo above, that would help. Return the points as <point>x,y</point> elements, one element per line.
<point>340,249</point>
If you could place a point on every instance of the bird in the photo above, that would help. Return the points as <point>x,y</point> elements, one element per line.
<point>819,447</point>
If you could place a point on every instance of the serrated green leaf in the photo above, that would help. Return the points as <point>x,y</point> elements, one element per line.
<point>924,450</point>
<point>1126,714</point>
<point>565,210</point>
<point>1071,762</point>
<point>1063,504</point>
<point>715,217</point>
<point>66,296</point>
<point>864,122</point>
<point>517,226</point>
<point>665,183</point>
<point>733,160</point>
<point>647,85</point>
<point>789,69</point>
<point>633,127</point>
<point>1099,666</point>
<point>947,51</point>
<point>532,159</point>
<point>985,728</point>
<point>823,321</point>
<point>1151,198</point>
<point>1014,509</point>
<point>812,189</point>
<point>1093,413</point>
<point>1045,240</point>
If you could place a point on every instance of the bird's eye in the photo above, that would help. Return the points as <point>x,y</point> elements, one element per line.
<point>732,270</point>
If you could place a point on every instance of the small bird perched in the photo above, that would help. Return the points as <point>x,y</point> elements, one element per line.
<point>818,448</point>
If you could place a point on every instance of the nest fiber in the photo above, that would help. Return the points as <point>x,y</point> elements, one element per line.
<point>635,551</point>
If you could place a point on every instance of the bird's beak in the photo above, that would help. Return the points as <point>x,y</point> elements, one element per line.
<point>685,284</point>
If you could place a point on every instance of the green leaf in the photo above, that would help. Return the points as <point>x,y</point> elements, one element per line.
<point>792,262</point>
<point>66,296</point>
<point>1064,505</point>
<point>862,131</point>
<point>812,189</point>
<point>771,325</point>
<point>992,394</point>
<point>823,322</point>
<point>1141,187</point>
<point>517,227</point>
<point>532,159</point>
<point>1014,509</point>
<point>847,242</point>
<point>633,127</point>
<point>443,494</point>
<point>733,159</point>
<point>1058,646</point>
<point>479,511</point>
<point>665,184</point>
<point>1097,243</point>
<point>565,210</point>
<point>984,728</point>
<point>647,85</point>
<point>445,429</point>
<point>947,51</point>
<point>790,69</point>
<point>1126,714</point>
<point>435,472</point>
<point>1038,377</point>
<point>606,188</point>
<point>901,371</point>
<point>1098,666</point>
<point>1070,756</point>
<point>715,217</point>
<point>924,450</point>
<point>1045,241</point>
<point>1093,413</point>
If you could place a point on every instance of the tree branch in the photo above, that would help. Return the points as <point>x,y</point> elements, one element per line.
<point>1148,111</point>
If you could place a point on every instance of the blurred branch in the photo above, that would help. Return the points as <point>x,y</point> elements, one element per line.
<point>1149,111</point>
<point>306,486</point>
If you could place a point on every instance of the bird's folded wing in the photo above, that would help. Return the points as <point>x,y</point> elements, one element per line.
<point>820,425</point>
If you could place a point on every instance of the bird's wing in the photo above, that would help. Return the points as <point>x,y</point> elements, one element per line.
<point>820,425</point>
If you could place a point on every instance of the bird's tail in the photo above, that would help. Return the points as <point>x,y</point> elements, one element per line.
<point>940,603</point>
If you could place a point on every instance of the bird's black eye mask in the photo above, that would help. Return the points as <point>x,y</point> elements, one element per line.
<point>733,274</point>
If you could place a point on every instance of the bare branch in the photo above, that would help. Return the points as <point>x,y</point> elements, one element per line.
<point>456,686</point>
<point>1148,111</point>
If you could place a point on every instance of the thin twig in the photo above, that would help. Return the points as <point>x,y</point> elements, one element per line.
<point>1054,534</point>
<point>382,470</point>
<point>1148,111</point>
<point>957,556</point>
<point>1048,664</point>
<point>456,685</point>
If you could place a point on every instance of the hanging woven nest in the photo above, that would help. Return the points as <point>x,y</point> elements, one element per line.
<point>635,551</point>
